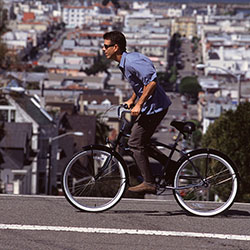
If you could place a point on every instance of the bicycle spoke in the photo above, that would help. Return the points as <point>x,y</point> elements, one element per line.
<point>217,174</point>
<point>91,176</point>
<point>224,181</point>
<point>211,194</point>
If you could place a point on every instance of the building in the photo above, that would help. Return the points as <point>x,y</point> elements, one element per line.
<point>16,150</point>
<point>20,142</point>
<point>96,15</point>
<point>185,26</point>
<point>211,108</point>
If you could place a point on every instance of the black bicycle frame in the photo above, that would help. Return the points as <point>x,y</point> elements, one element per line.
<point>173,148</point>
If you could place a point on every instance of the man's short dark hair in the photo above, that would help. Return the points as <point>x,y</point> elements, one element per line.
<point>116,37</point>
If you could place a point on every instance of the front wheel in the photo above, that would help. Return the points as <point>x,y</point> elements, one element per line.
<point>95,179</point>
<point>206,183</point>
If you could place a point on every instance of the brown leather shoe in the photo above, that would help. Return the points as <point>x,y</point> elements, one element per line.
<point>143,188</point>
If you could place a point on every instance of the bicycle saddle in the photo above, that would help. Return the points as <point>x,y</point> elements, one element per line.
<point>183,127</point>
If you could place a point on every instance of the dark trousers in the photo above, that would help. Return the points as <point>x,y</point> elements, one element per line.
<point>142,130</point>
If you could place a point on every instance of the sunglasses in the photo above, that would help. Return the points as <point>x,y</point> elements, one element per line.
<point>106,46</point>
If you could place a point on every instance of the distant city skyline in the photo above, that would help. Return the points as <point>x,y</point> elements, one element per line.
<point>204,1</point>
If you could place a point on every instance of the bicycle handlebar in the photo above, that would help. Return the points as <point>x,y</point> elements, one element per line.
<point>127,110</point>
<point>125,106</point>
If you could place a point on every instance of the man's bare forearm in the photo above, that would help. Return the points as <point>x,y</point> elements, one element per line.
<point>131,100</point>
<point>148,90</point>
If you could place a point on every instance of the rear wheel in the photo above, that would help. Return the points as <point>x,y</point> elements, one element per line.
<point>206,183</point>
<point>95,179</point>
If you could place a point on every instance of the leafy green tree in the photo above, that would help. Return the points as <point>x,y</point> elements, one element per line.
<point>101,64</point>
<point>195,41</point>
<point>1,16</point>
<point>175,42</point>
<point>114,2</point>
<point>196,136</point>
<point>163,80</point>
<point>230,134</point>
<point>190,87</point>
<point>39,68</point>
<point>174,49</point>
<point>168,78</point>
<point>173,75</point>
<point>3,54</point>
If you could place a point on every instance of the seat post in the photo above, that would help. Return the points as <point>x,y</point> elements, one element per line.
<point>175,145</point>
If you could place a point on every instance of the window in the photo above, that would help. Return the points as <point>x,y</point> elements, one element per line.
<point>12,116</point>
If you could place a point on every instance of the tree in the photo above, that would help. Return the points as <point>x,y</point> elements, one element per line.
<point>3,48</point>
<point>168,78</point>
<point>101,64</point>
<point>195,139</point>
<point>3,54</point>
<point>230,134</point>
<point>163,80</point>
<point>39,68</point>
<point>195,41</point>
<point>173,75</point>
<point>3,17</point>
<point>174,49</point>
<point>190,87</point>
<point>114,2</point>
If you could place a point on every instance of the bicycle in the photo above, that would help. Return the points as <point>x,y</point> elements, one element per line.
<point>204,181</point>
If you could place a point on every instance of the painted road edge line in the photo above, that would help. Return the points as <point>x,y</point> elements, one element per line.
<point>123,231</point>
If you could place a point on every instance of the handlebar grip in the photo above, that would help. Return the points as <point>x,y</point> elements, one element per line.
<point>125,106</point>
<point>121,110</point>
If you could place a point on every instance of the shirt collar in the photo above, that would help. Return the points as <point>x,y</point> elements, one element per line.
<point>122,62</point>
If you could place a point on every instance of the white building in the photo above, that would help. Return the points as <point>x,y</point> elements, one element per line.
<point>16,39</point>
<point>211,107</point>
<point>225,42</point>
<point>91,16</point>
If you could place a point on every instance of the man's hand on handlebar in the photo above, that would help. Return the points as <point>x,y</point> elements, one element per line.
<point>135,109</point>
<point>128,105</point>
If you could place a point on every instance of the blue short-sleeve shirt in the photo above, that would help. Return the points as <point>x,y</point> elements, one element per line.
<point>140,71</point>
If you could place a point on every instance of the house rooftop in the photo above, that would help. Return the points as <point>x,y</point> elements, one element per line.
<point>8,163</point>
<point>34,110</point>
<point>14,139</point>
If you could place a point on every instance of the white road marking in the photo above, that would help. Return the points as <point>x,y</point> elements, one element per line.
<point>123,231</point>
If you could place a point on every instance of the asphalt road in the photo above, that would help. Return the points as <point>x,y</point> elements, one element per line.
<point>43,222</point>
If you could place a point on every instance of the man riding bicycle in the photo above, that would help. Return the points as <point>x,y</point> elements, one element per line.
<point>148,103</point>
